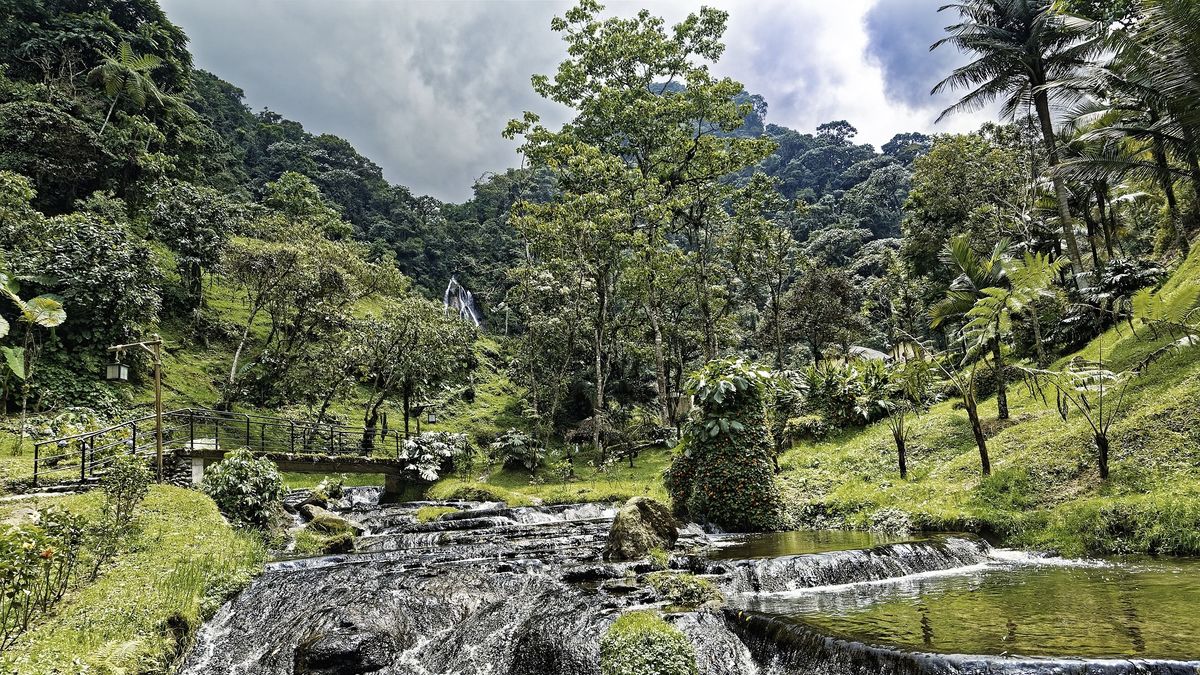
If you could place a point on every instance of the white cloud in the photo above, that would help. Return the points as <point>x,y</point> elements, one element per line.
<point>424,88</point>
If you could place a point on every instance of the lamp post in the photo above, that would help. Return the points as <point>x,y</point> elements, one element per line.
<point>120,371</point>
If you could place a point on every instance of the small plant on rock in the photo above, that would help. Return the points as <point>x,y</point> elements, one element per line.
<point>641,642</point>
<point>684,590</point>
<point>125,485</point>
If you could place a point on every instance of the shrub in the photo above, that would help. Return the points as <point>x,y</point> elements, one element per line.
<point>684,590</point>
<point>725,473</point>
<point>125,485</point>
<point>837,391</point>
<point>36,566</point>
<point>431,455</point>
<point>808,428</point>
<point>246,488</point>
<point>516,449</point>
<point>639,643</point>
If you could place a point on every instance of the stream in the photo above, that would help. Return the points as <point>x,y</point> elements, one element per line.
<point>524,591</point>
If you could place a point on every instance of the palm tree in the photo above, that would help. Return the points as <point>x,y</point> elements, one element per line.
<point>127,73</point>
<point>1022,46</point>
<point>976,274</point>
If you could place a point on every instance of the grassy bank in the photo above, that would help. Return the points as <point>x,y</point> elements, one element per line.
<point>1045,491</point>
<point>142,610</point>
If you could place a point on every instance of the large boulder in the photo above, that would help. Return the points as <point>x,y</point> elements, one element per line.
<point>345,653</point>
<point>641,526</point>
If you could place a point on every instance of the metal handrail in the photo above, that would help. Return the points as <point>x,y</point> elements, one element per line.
<point>273,433</point>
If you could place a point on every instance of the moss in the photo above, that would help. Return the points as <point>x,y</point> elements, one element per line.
<point>311,541</point>
<point>470,491</point>
<point>659,559</point>
<point>428,514</point>
<point>329,525</point>
<point>682,589</point>
<point>139,613</point>
<point>640,642</point>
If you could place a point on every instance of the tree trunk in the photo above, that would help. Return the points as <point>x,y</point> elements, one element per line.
<point>407,396</point>
<point>660,367</point>
<point>977,429</point>
<point>227,403</point>
<point>1168,185</point>
<point>1036,320</point>
<point>1102,205</point>
<point>370,421</point>
<point>1102,447</point>
<point>901,453</point>
<point>1001,379</point>
<point>1091,234</point>
<point>109,115</point>
<point>598,341</point>
<point>1042,103</point>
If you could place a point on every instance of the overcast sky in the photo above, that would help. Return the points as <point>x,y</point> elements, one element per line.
<point>424,88</point>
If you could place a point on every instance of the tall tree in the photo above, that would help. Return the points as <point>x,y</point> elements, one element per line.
<point>1021,46</point>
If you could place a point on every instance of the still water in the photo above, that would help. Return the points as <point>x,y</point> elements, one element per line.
<point>1014,604</point>
<point>802,542</point>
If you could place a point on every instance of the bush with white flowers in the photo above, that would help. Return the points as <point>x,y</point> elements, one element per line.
<point>430,455</point>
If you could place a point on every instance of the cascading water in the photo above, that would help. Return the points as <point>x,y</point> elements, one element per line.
<point>524,591</point>
<point>459,300</point>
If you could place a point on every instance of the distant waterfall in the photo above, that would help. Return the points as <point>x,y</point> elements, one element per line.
<point>458,299</point>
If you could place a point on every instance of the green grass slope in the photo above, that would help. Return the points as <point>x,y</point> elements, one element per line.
<point>1045,490</point>
<point>140,613</point>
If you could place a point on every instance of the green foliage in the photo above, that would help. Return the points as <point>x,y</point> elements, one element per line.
<point>456,490</point>
<point>684,590</point>
<point>126,482</point>
<point>434,453</point>
<point>120,622</point>
<point>640,642</point>
<point>246,488</point>
<point>659,559</point>
<point>724,472</point>
<point>847,394</point>
<point>37,563</point>
<point>516,449</point>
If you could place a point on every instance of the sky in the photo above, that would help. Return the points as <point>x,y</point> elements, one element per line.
<point>424,88</point>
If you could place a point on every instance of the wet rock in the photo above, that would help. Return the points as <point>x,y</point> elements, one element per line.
<point>345,653</point>
<point>321,519</point>
<point>641,525</point>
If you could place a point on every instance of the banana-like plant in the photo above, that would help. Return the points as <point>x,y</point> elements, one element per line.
<point>45,311</point>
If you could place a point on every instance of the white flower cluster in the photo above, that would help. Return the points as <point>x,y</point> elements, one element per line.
<point>429,454</point>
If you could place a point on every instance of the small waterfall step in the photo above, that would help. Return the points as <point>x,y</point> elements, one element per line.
<point>838,568</point>
<point>783,647</point>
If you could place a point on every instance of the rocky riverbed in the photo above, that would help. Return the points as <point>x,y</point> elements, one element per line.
<point>524,591</point>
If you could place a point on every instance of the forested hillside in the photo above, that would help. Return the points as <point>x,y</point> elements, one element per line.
<point>768,328</point>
